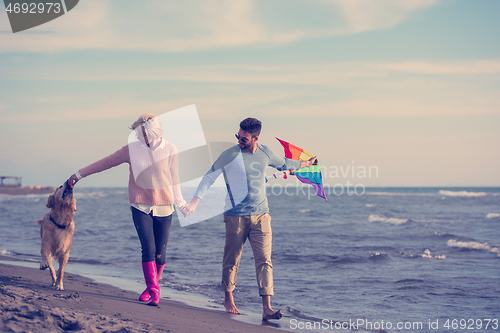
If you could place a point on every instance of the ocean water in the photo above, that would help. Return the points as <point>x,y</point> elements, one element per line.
<point>389,256</point>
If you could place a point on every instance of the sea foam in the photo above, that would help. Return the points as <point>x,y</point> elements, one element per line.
<point>399,194</point>
<point>474,246</point>
<point>427,254</point>
<point>462,193</point>
<point>391,220</point>
<point>492,216</point>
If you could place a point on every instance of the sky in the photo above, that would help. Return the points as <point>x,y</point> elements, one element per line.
<point>409,88</point>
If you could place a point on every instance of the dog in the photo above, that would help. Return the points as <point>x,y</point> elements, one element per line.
<point>56,231</point>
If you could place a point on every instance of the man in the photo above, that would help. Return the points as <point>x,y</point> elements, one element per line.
<point>246,214</point>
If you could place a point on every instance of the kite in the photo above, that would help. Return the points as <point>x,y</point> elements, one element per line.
<point>310,175</point>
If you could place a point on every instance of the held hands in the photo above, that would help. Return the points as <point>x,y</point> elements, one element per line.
<point>190,207</point>
<point>308,163</point>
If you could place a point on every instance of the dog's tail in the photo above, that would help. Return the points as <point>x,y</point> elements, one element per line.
<point>39,222</point>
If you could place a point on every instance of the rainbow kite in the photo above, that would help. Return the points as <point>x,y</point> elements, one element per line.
<point>311,175</point>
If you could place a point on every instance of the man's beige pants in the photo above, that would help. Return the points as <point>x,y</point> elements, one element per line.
<point>257,228</point>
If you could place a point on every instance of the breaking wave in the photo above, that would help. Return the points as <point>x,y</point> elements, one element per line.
<point>492,216</point>
<point>427,254</point>
<point>446,193</point>
<point>462,194</point>
<point>383,219</point>
<point>474,246</point>
<point>399,194</point>
<point>99,194</point>
<point>379,256</point>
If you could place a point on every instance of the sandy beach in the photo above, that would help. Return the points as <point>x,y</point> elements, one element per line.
<point>29,304</point>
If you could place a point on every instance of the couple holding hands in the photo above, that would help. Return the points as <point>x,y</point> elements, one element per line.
<point>153,193</point>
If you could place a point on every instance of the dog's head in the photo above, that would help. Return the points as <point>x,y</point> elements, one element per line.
<point>62,196</point>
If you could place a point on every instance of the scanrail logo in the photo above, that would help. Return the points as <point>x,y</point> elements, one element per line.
<point>26,14</point>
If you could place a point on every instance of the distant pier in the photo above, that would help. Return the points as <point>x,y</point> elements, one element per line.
<point>13,185</point>
<point>11,181</point>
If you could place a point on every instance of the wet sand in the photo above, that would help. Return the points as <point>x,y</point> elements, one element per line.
<point>28,303</point>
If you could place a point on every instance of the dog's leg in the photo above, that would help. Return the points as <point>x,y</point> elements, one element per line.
<point>52,271</point>
<point>47,263</point>
<point>63,260</point>
<point>44,264</point>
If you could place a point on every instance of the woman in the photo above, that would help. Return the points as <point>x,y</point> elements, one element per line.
<point>153,188</point>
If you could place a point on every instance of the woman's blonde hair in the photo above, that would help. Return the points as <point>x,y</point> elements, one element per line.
<point>141,120</point>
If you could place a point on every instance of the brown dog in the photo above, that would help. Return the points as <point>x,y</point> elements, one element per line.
<point>56,231</point>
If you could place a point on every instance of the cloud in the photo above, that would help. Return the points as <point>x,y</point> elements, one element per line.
<point>395,105</point>
<point>86,26</point>
<point>324,74</point>
<point>53,99</point>
<point>49,110</point>
<point>165,26</point>
<point>175,26</point>
<point>366,15</point>
<point>378,89</point>
<point>449,68</point>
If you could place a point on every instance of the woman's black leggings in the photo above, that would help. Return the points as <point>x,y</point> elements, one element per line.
<point>153,232</point>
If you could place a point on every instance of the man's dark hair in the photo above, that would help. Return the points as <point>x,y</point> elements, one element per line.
<point>252,126</point>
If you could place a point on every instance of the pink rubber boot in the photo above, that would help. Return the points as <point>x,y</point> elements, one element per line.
<point>151,277</point>
<point>145,296</point>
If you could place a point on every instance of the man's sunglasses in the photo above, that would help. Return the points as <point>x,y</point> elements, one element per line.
<point>244,140</point>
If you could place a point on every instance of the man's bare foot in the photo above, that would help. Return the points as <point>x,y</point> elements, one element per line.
<point>231,308</point>
<point>229,304</point>
<point>270,314</point>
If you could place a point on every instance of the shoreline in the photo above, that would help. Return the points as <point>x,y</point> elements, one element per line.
<point>28,302</point>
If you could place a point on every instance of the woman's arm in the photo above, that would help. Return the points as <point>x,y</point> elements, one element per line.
<point>117,158</point>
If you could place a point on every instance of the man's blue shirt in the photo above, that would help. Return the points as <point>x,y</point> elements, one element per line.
<point>244,174</point>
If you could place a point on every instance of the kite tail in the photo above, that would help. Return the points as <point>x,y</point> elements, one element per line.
<point>283,175</point>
